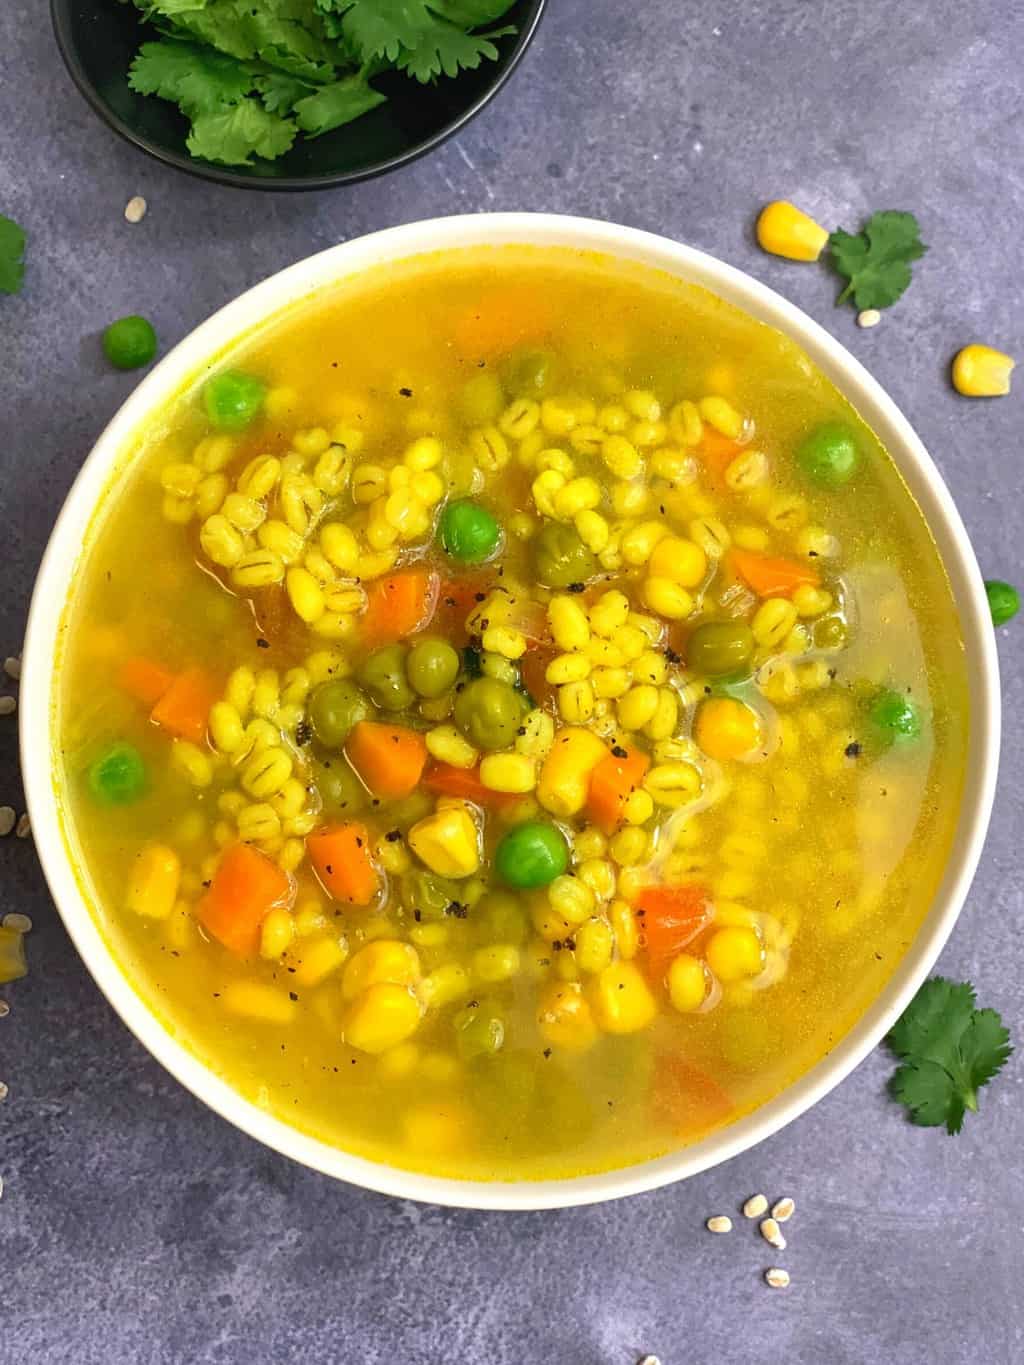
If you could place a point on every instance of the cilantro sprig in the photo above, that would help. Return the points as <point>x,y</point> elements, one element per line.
<point>875,262</point>
<point>948,1050</point>
<point>252,75</point>
<point>12,253</point>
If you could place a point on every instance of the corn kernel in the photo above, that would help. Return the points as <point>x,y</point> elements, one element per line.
<point>508,773</point>
<point>667,598</point>
<point>153,882</point>
<point>447,841</point>
<point>383,1016</point>
<point>784,230</point>
<point>637,707</point>
<point>629,846</point>
<point>638,807</point>
<point>687,983</point>
<point>496,962</point>
<point>565,775</point>
<point>810,601</point>
<point>727,728</point>
<point>564,1017</point>
<point>189,760</point>
<point>622,999</point>
<point>735,953</point>
<point>254,1000</point>
<point>981,372</point>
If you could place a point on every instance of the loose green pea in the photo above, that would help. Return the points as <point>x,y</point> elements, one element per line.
<point>468,532</point>
<point>895,718</point>
<point>233,399</point>
<point>427,895</point>
<point>1003,600</point>
<point>479,1031</point>
<point>560,558</point>
<point>531,855</point>
<point>528,372</point>
<point>334,708</point>
<point>130,342</point>
<point>118,776</point>
<point>719,649</point>
<point>829,455</point>
<point>432,666</point>
<point>830,633</point>
<point>489,713</point>
<point>340,789</point>
<point>384,677</point>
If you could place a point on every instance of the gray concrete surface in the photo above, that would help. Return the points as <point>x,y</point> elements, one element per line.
<point>135,1226</point>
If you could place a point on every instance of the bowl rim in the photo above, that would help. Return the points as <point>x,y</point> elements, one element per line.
<point>332,266</point>
<point>60,19</point>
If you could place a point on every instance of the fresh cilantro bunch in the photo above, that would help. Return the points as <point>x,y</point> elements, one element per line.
<point>251,75</point>
<point>948,1051</point>
<point>876,261</point>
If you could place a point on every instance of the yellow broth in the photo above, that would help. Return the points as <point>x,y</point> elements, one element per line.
<point>814,853</point>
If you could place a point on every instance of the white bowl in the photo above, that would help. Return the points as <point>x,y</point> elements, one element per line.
<point>38,740</point>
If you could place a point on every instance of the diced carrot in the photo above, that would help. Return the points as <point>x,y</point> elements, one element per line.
<point>341,857</point>
<point>456,599</point>
<point>448,780</point>
<point>501,319</point>
<point>245,888</point>
<point>143,679</point>
<point>184,708</point>
<point>685,1099</point>
<point>611,783</point>
<point>533,668</point>
<point>389,758</point>
<point>670,918</point>
<point>772,575</point>
<point>399,605</point>
<point>716,453</point>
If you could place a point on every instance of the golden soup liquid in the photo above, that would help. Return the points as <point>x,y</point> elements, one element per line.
<point>674,777</point>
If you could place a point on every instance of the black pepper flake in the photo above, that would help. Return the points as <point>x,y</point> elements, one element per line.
<point>477,597</point>
<point>672,656</point>
<point>375,801</point>
<point>570,945</point>
<point>557,945</point>
<point>473,1005</point>
<point>852,750</point>
<point>406,393</point>
<point>707,691</point>
<point>521,730</point>
<point>262,644</point>
<point>544,961</point>
<point>456,909</point>
<point>832,673</point>
<point>547,1052</point>
<point>393,835</point>
<point>417,915</point>
<point>303,732</point>
<point>206,885</point>
<point>619,752</point>
<point>812,554</point>
<point>359,842</point>
<point>292,995</point>
<point>577,587</point>
<point>329,870</point>
<point>175,953</point>
<point>450,602</point>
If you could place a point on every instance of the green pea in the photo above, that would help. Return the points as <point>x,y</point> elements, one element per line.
<point>489,713</point>
<point>531,855</point>
<point>481,399</point>
<point>895,718</point>
<point>528,372</point>
<point>233,399</point>
<point>334,708</point>
<point>432,666</point>
<point>403,813</point>
<point>384,677</point>
<point>829,455</point>
<point>560,558</point>
<point>719,649</point>
<point>468,532</point>
<point>428,894</point>
<point>118,776</point>
<point>500,918</point>
<point>830,633</point>
<point>479,1031</point>
<point>339,787</point>
<point>130,343</point>
<point>1003,600</point>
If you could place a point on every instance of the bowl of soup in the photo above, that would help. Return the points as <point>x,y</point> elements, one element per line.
<point>511,716</point>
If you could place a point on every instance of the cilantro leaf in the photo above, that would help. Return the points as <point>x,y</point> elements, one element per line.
<point>12,251</point>
<point>948,1050</point>
<point>281,92</point>
<point>333,105</point>
<point>876,261</point>
<point>414,35</point>
<point>472,13</point>
<point>233,136</point>
<point>197,79</point>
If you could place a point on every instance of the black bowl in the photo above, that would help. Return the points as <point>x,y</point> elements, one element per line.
<point>99,38</point>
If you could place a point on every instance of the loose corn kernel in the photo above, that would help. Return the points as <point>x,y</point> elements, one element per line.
<point>319,958</point>
<point>448,745</point>
<point>567,668</point>
<point>668,599</point>
<point>244,513</point>
<point>589,843</point>
<point>555,461</point>
<point>384,1015</point>
<point>254,1000</point>
<point>503,640</point>
<point>638,807</point>
<point>571,898</point>
<point>508,772</point>
<point>735,953</point>
<point>496,962</point>
<point>684,423</point>
<point>631,642</point>
<point>568,620</point>
<point>784,230</point>
<point>266,694</point>
<point>642,404</point>
<point>811,601</point>
<point>722,416</point>
<point>220,541</point>
<point>587,440</point>
<point>291,854</point>
<point>622,999</point>
<point>629,846</point>
<point>681,561</point>
<point>445,984</point>
<point>519,418</point>
<point>424,453</point>
<point>609,613</point>
<point>239,690</point>
<point>564,1017</point>
<point>687,983</point>
<point>558,416</point>
<point>153,882</point>
<point>305,594</point>
<point>750,538</point>
<point>382,960</point>
<point>981,372</point>
<point>727,728</point>
<point>576,702</point>
<point>189,760</point>
<point>447,841</point>
<point>276,934</point>
<point>565,775</point>
<point>773,620</point>
<point>637,707</point>
<point>624,927</point>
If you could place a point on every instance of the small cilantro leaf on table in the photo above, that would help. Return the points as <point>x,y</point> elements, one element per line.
<point>876,261</point>
<point>948,1050</point>
<point>12,252</point>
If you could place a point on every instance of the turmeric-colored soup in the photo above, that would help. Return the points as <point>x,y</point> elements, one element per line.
<point>513,715</point>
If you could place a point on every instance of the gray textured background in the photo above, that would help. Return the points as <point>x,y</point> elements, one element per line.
<point>137,1227</point>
